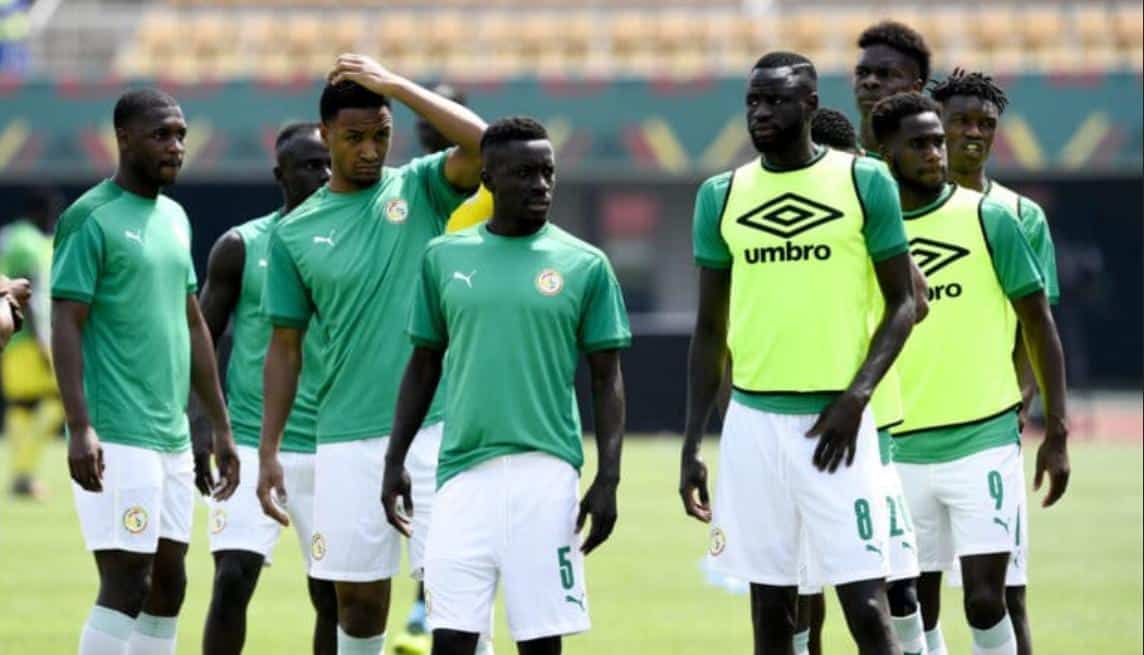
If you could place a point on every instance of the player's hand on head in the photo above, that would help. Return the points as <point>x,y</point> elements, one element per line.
<point>365,71</point>
<point>396,484</point>
<point>599,503</point>
<point>226,459</point>
<point>837,432</point>
<point>85,459</point>
<point>1053,459</point>
<point>693,487</point>
<point>272,489</point>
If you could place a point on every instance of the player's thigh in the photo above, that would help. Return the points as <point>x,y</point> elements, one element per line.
<point>353,541</point>
<point>421,464</point>
<point>982,493</point>
<point>238,523</point>
<point>902,543</point>
<point>755,529</point>
<point>298,474</point>
<point>462,555</point>
<point>928,516</point>
<point>844,512</point>
<point>178,509</point>
<point>542,568</point>
<point>125,515</point>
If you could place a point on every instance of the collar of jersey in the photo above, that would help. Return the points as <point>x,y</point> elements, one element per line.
<point>818,155</point>
<point>484,230</point>
<point>942,198</point>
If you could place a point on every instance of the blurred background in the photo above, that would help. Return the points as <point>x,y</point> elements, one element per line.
<point>642,98</point>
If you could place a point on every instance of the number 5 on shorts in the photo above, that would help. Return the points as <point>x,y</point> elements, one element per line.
<point>996,489</point>
<point>567,579</point>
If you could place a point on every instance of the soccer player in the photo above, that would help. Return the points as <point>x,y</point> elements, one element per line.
<point>832,129</point>
<point>958,447</point>
<point>506,308</point>
<point>34,413</point>
<point>349,255</point>
<point>127,340</point>
<point>242,537</point>
<point>894,58</point>
<point>972,105</point>
<point>799,450</point>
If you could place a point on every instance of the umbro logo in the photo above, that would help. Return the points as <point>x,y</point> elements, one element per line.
<point>789,215</point>
<point>932,256</point>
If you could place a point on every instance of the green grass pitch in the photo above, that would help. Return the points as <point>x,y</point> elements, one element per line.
<point>647,591</point>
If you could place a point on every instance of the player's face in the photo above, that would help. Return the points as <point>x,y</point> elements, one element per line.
<point>970,125</point>
<point>780,102</point>
<point>881,72</point>
<point>153,144</point>
<point>303,166</point>
<point>358,140</point>
<point>521,175</point>
<point>918,152</point>
<point>430,138</point>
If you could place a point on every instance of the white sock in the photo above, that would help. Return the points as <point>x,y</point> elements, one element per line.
<point>935,641</point>
<point>153,635</point>
<point>802,643</point>
<point>105,632</point>
<point>998,640</point>
<point>348,645</point>
<point>485,645</point>
<point>911,634</point>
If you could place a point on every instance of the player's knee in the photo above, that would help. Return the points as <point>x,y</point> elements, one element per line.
<point>903,597</point>
<point>234,582</point>
<point>773,611</point>
<point>324,598</point>
<point>361,613</point>
<point>984,607</point>
<point>453,642</point>
<point>124,582</point>
<point>1015,603</point>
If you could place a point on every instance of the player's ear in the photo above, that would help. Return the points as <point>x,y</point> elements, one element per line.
<point>323,131</point>
<point>121,138</point>
<point>812,101</point>
<point>277,173</point>
<point>487,179</point>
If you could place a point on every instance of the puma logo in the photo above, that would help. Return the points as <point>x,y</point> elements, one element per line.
<point>1004,524</point>
<point>134,236</point>
<point>467,279</point>
<point>262,263</point>
<point>907,545</point>
<point>329,241</point>
<point>578,601</point>
<point>874,549</point>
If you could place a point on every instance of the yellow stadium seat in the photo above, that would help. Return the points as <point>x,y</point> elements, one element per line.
<point>628,31</point>
<point>396,33</point>
<point>1091,25</point>
<point>578,33</point>
<point>1040,27</point>
<point>993,27</point>
<point>1129,26</point>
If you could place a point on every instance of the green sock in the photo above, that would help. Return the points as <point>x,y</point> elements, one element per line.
<point>998,640</point>
<point>348,645</point>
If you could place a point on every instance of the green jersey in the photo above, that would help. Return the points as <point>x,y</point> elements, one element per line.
<point>351,260</point>
<point>1035,226</point>
<point>25,251</point>
<point>129,259</point>
<point>514,314</point>
<point>251,340</point>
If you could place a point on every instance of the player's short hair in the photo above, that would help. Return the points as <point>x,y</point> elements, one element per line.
<point>900,37</point>
<point>512,128</point>
<point>779,59</point>
<point>137,102</point>
<point>978,85</point>
<point>830,127</point>
<point>451,92</point>
<point>348,95</point>
<point>290,131</point>
<point>888,114</point>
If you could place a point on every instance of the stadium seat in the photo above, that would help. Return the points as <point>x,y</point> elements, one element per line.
<point>1040,27</point>
<point>1128,27</point>
<point>1091,25</point>
<point>993,29</point>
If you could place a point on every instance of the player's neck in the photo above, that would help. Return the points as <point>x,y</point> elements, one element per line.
<point>975,180</point>
<point>125,180</point>
<point>866,136</point>
<point>797,154</point>
<point>338,184</point>
<point>509,227</point>
<point>914,197</point>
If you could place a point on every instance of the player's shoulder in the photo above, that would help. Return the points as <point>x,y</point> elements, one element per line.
<point>575,246</point>
<point>867,168</point>
<point>467,237</point>
<point>425,164</point>
<point>87,207</point>
<point>169,205</point>
<point>994,213</point>
<point>305,212</point>
<point>717,183</point>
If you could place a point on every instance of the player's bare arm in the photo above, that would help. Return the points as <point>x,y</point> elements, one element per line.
<point>837,426</point>
<point>707,360</point>
<point>204,382</point>
<point>217,301</point>
<point>921,293</point>
<point>418,385</point>
<point>457,123</point>
<point>279,384</point>
<point>599,501</point>
<point>1048,362</point>
<point>85,456</point>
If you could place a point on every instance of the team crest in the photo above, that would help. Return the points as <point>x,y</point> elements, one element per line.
<point>396,210</point>
<point>318,546</point>
<point>718,542</point>
<point>549,282</point>
<point>135,519</point>
<point>218,520</point>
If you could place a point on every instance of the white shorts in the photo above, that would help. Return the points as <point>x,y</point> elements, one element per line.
<point>1017,574</point>
<point>969,506</point>
<point>239,523</point>
<point>903,554</point>
<point>353,541</point>
<point>769,492</point>
<point>147,496</point>
<point>511,519</point>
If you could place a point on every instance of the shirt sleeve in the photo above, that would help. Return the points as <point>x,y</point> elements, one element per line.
<point>192,279</point>
<point>708,246</point>
<point>1013,260</point>
<point>1036,228</point>
<point>883,229</point>
<point>604,323</point>
<point>429,173</point>
<point>77,262</point>
<point>285,298</point>
<point>427,326</point>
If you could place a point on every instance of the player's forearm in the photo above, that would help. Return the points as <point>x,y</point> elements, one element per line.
<point>706,361</point>
<point>457,123</point>
<point>887,342</point>
<point>204,377</point>
<point>67,357</point>
<point>1048,362</point>
<point>415,395</point>
<point>280,374</point>
<point>610,413</point>
<point>1026,378</point>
